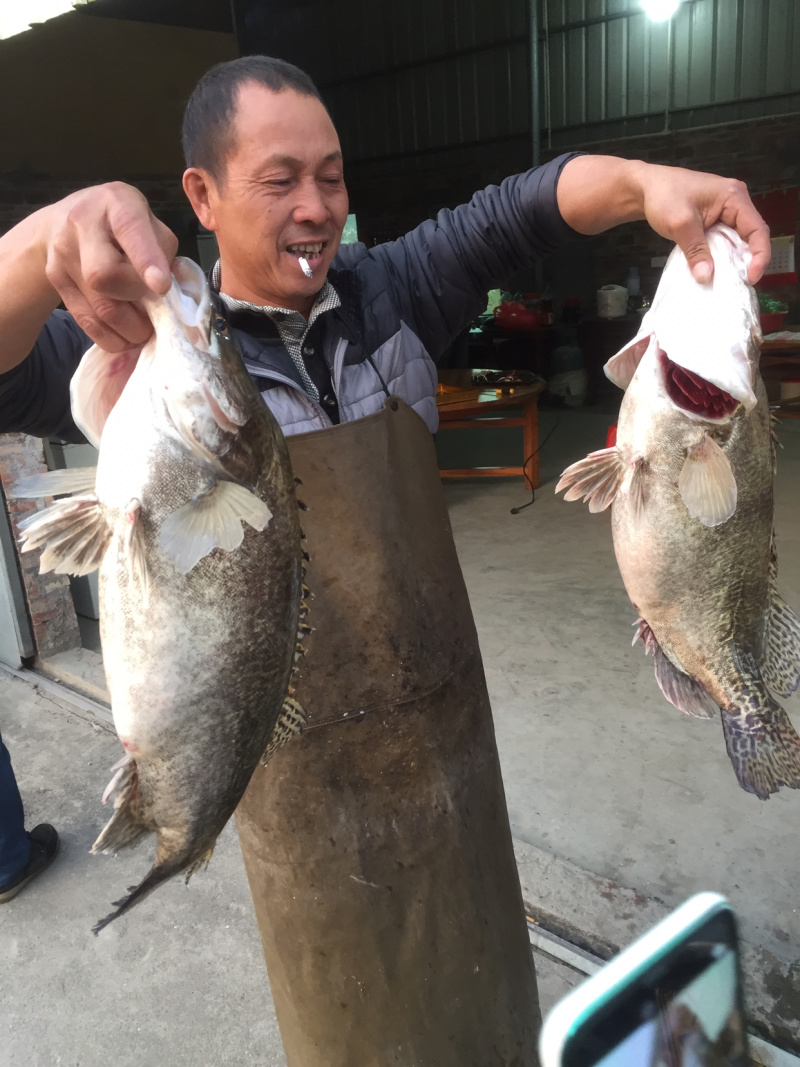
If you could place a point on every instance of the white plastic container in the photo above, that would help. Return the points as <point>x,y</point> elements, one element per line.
<point>612,301</point>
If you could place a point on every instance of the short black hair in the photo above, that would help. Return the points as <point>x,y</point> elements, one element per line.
<point>208,130</point>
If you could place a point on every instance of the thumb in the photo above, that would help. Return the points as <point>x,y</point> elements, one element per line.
<point>698,255</point>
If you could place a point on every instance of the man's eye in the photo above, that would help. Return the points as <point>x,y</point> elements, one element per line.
<point>280,181</point>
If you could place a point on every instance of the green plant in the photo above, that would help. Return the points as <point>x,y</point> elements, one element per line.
<point>770,306</point>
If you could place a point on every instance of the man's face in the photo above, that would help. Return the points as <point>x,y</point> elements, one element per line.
<point>282,196</point>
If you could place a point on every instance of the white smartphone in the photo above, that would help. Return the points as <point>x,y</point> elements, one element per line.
<point>671,999</point>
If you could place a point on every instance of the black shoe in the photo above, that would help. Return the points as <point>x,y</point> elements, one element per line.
<point>44,846</point>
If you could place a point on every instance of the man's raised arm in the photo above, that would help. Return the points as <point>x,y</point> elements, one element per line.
<point>99,250</point>
<point>598,192</point>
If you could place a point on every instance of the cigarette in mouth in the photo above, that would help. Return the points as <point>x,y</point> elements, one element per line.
<point>305,267</point>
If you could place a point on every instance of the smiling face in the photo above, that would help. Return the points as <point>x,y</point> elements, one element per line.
<point>282,196</point>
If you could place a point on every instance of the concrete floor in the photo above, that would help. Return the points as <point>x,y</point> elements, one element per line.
<point>617,802</point>
<point>181,984</point>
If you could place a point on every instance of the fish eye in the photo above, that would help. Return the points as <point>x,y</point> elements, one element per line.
<point>220,325</point>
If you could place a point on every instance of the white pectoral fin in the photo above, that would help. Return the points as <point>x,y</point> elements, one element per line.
<point>597,479</point>
<point>55,483</point>
<point>706,483</point>
<point>212,520</point>
<point>73,535</point>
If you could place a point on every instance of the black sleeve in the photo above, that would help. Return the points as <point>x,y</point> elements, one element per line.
<point>441,271</point>
<point>34,396</point>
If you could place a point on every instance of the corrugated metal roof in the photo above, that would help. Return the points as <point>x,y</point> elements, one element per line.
<point>191,14</point>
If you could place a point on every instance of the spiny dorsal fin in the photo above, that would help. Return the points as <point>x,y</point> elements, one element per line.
<point>597,479</point>
<point>706,483</point>
<point>290,723</point>
<point>73,534</point>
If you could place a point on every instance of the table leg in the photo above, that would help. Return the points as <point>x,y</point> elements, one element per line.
<point>530,439</point>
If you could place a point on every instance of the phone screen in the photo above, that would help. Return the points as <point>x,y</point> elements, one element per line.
<point>683,1011</point>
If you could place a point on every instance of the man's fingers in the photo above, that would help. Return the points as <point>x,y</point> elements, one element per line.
<point>147,243</point>
<point>105,336</point>
<point>113,325</point>
<point>691,239</point>
<point>756,232</point>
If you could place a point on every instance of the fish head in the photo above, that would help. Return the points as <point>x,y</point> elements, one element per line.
<point>197,370</point>
<point>705,337</point>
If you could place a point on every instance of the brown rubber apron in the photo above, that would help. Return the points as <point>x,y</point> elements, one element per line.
<point>377,845</point>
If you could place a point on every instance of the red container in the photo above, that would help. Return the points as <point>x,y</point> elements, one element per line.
<point>772,321</point>
<point>512,315</point>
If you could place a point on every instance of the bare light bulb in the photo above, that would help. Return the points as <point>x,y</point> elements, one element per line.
<point>660,10</point>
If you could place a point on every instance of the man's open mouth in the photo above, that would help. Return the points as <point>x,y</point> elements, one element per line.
<point>309,251</point>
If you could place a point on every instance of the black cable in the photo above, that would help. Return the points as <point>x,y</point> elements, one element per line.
<point>516,511</point>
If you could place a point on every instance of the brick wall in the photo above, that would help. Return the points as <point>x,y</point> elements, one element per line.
<point>55,625</point>
<point>21,195</point>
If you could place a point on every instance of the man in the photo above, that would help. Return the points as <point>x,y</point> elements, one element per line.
<point>377,846</point>
<point>23,854</point>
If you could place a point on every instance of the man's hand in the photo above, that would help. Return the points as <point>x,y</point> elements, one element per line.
<point>681,204</point>
<point>99,250</point>
<point>105,250</point>
<point>598,192</point>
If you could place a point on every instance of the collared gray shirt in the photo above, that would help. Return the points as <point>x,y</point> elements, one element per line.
<point>291,325</point>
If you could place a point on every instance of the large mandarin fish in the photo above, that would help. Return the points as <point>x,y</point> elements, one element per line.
<point>191,518</point>
<point>690,485</point>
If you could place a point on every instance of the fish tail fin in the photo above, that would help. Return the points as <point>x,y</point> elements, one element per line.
<point>762,744</point>
<point>154,877</point>
<point>125,826</point>
<point>172,857</point>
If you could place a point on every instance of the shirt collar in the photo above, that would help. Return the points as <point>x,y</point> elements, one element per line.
<point>326,299</point>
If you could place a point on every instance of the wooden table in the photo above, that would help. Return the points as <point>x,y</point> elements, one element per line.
<point>463,408</point>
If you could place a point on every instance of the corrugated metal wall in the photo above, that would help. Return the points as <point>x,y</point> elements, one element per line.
<point>432,100</point>
<point>609,71</point>
<point>410,76</point>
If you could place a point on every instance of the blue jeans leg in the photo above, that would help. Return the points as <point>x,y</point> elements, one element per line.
<point>15,848</point>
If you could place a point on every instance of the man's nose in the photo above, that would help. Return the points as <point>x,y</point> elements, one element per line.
<point>310,205</point>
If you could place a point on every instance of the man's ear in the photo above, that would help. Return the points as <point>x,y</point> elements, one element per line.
<point>203,194</point>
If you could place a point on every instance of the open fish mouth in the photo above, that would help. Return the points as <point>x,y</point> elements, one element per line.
<point>694,394</point>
